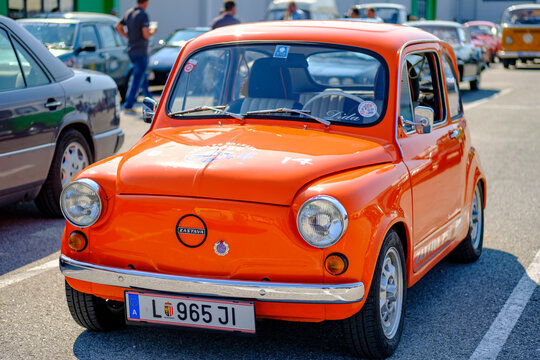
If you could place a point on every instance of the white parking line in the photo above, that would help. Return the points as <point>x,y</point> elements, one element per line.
<point>483,101</point>
<point>12,279</point>
<point>494,340</point>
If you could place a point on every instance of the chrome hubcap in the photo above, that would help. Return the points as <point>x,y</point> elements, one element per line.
<point>475,225</point>
<point>391,293</point>
<point>74,160</point>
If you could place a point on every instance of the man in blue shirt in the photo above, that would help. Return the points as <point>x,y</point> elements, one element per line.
<point>227,17</point>
<point>138,32</point>
<point>293,13</point>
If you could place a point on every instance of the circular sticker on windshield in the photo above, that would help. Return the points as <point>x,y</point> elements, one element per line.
<point>190,66</point>
<point>367,109</point>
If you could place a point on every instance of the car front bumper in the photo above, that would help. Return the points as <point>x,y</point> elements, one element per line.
<point>518,54</point>
<point>261,291</point>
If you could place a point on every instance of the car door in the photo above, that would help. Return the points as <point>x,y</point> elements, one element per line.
<point>31,108</point>
<point>114,51</point>
<point>434,159</point>
<point>93,60</point>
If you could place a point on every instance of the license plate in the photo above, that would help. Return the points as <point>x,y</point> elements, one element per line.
<point>527,53</point>
<point>189,311</point>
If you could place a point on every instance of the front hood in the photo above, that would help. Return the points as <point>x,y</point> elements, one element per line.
<point>165,57</point>
<point>257,163</point>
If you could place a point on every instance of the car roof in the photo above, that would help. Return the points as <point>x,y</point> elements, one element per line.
<point>381,5</point>
<point>523,6</point>
<point>479,22</point>
<point>73,17</point>
<point>353,33</point>
<point>434,23</point>
<point>57,68</point>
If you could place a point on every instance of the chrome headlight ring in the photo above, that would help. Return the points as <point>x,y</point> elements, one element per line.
<point>321,221</point>
<point>80,203</point>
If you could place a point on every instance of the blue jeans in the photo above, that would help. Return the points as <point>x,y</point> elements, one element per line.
<point>139,79</point>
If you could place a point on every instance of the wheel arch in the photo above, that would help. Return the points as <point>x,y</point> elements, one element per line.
<point>84,130</point>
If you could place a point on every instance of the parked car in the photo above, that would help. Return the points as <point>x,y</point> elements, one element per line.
<point>314,9</point>
<point>520,35</point>
<point>54,121</point>
<point>388,12</point>
<point>272,193</point>
<point>85,40</point>
<point>162,61</point>
<point>486,34</point>
<point>469,57</point>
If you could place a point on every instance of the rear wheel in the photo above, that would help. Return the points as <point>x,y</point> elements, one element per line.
<point>470,249</point>
<point>94,313</point>
<point>72,154</point>
<point>375,331</point>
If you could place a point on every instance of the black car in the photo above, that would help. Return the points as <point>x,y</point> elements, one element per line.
<point>162,61</point>
<point>85,40</point>
<point>54,121</point>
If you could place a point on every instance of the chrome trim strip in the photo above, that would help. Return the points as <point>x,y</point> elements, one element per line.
<point>28,149</point>
<point>107,133</point>
<point>261,291</point>
<point>516,54</point>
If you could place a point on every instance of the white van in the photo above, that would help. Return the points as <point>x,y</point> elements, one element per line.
<point>314,9</point>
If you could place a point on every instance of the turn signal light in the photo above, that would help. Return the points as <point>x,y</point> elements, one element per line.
<point>336,264</point>
<point>77,241</point>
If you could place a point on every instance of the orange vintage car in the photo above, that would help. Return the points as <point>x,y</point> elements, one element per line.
<point>301,171</point>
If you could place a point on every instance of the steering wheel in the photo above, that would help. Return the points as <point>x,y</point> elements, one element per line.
<point>333,92</point>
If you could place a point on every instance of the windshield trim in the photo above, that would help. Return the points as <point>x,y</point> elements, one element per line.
<point>297,118</point>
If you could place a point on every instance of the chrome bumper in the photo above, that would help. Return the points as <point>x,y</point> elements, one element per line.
<point>518,54</point>
<point>254,290</point>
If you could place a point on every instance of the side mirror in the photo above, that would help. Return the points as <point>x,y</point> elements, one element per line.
<point>423,119</point>
<point>86,46</point>
<point>149,109</point>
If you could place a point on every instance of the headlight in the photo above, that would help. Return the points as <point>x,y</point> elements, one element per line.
<point>321,221</point>
<point>80,202</point>
<point>508,40</point>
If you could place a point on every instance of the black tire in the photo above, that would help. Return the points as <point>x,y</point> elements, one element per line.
<point>506,63</point>
<point>48,199</point>
<point>364,332</point>
<point>475,84</point>
<point>124,89</point>
<point>94,313</point>
<point>470,249</point>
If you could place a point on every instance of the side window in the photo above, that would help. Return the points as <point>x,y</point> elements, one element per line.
<point>242,74</point>
<point>33,73</point>
<point>88,35</point>
<point>11,77</point>
<point>454,98</point>
<point>405,103</point>
<point>106,33</point>
<point>422,71</point>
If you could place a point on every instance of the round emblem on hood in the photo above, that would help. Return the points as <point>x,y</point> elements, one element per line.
<point>191,231</point>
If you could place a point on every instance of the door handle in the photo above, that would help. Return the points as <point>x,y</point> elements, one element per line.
<point>52,104</point>
<point>454,134</point>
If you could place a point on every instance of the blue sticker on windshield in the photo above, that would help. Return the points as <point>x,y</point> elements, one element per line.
<point>282,51</point>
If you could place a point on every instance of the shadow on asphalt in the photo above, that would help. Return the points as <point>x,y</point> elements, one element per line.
<point>26,235</point>
<point>448,313</point>
<point>469,96</point>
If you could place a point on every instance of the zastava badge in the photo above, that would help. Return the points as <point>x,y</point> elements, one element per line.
<point>221,248</point>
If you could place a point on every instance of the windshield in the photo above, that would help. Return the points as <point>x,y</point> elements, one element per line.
<point>522,17</point>
<point>336,85</point>
<point>53,35</point>
<point>388,15</point>
<point>448,34</point>
<point>482,30</point>
<point>180,37</point>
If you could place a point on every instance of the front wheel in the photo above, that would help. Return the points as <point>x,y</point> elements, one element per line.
<point>94,313</point>
<point>375,331</point>
<point>470,249</point>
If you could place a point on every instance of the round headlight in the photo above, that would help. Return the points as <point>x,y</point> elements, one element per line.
<point>321,221</point>
<point>80,202</point>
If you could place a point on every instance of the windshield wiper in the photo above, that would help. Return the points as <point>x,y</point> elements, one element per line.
<point>218,109</point>
<point>287,110</point>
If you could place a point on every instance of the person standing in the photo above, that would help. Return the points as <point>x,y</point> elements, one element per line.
<point>293,13</point>
<point>138,32</point>
<point>227,16</point>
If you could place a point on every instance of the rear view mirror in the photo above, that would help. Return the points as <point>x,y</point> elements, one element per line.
<point>423,119</point>
<point>149,109</point>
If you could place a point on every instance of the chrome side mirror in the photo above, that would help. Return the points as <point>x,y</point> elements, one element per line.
<point>149,109</point>
<point>423,119</point>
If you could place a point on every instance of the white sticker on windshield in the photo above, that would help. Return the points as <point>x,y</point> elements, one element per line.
<point>282,51</point>
<point>190,66</point>
<point>367,109</point>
